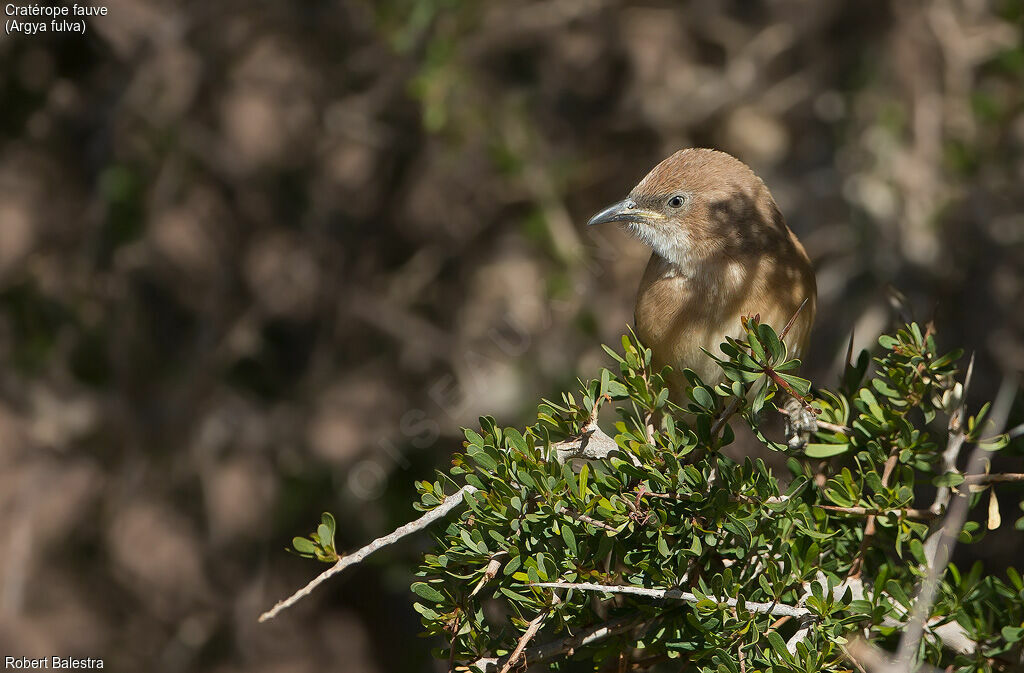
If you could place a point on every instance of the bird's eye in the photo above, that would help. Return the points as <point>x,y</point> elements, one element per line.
<point>677,201</point>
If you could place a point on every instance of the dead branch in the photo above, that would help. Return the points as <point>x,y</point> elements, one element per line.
<point>777,609</point>
<point>439,512</point>
<point>952,525</point>
<point>557,648</point>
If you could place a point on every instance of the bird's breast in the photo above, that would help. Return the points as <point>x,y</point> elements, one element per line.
<point>676,321</point>
<point>680,316</point>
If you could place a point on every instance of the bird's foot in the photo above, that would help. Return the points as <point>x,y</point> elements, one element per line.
<point>800,423</point>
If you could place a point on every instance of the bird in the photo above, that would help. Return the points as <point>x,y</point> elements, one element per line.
<point>721,251</point>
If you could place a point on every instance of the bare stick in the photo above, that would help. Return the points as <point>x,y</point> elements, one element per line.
<point>956,440</point>
<point>439,512</point>
<point>842,429</point>
<point>951,634</point>
<point>558,648</point>
<point>994,478</point>
<point>792,321</point>
<point>531,631</point>
<point>746,500</point>
<point>948,535</point>
<point>592,443</point>
<point>869,526</point>
<point>800,635</point>
<point>491,571</point>
<point>590,520</point>
<point>777,609</point>
<point>869,657</point>
<point>726,415</point>
<point>908,512</point>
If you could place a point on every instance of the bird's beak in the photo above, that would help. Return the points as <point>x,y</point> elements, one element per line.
<point>623,211</point>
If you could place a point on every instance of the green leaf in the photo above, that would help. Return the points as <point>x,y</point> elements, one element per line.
<point>427,592</point>
<point>757,349</point>
<point>304,545</point>
<point>606,377</point>
<point>473,438</point>
<point>948,479</point>
<point>778,645</point>
<point>617,390</point>
<point>570,539</point>
<point>704,398</point>
<point>325,535</point>
<point>771,341</point>
<point>1012,634</point>
<point>801,386</point>
<point>615,356</point>
<point>482,459</point>
<point>425,611</point>
<point>917,549</point>
<point>887,342</point>
<point>581,484</point>
<point>825,450</point>
<point>514,595</point>
<point>513,565</point>
<point>516,440</point>
<point>326,530</point>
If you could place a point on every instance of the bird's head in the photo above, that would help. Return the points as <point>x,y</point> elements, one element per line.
<point>699,204</point>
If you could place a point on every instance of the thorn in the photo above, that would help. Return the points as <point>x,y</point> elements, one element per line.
<point>789,325</point>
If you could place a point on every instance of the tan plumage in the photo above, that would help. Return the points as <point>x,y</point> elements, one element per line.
<point>721,250</point>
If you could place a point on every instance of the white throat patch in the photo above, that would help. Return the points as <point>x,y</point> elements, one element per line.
<point>672,243</point>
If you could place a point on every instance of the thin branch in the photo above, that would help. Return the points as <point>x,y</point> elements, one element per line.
<point>770,500</point>
<point>589,520</point>
<point>823,425</point>
<point>777,609</point>
<point>908,512</point>
<point>746,500</point>
<point>952,525</point>
<point>801,634</point>
<point>592,443</point>
<point>491,571</point>
<point>994,478</point>
<point>874,659</point>
<point>955,442</point>
<point>527,636</point>
<point>557,648</point>
<point>792,320</point>
<point>869,527</point>
<point>439,512</point>
<point>951,634</point>
<point>726,415</point>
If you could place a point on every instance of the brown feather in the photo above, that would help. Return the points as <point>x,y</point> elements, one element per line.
<point>727,253</point>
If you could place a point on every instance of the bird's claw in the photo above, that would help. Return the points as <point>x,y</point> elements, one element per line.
<point>800,423</point>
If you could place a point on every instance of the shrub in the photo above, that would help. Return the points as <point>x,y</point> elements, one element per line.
<point>669,550</point>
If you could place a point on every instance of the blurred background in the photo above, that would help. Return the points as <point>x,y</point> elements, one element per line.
<point>263,259</point>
